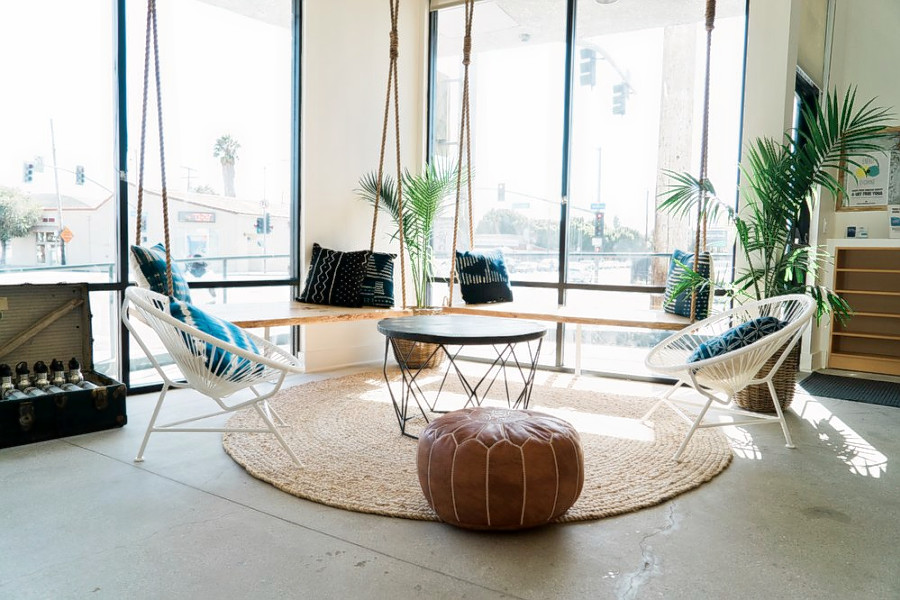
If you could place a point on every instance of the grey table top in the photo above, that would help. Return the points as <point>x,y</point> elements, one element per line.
<point>461,329</point>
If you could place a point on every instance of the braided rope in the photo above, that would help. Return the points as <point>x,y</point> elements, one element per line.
<point>464,134</point>
<point>700,233</point>
<point>152,32</point>
<point>392,85</point>
<point>162,155</point>
<point>140,200</point>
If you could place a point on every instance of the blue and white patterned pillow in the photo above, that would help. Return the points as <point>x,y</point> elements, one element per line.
<point>681,304</point>
<point>217,360</point>
<point>483,277</point>
<point>151,272</point>
<point>737,337</point>
<point>378,284</point>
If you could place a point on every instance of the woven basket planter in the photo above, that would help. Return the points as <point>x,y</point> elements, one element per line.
<point>757,397</point>
<point>417,355</point>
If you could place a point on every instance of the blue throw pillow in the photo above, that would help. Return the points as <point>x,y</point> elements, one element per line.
<point>681,304</point>
<point>151,272</point>
<point>737,337</point>
<point>335,278</point>
<point>483,277</point>
<point>217,360</point>
<point>378,284</point>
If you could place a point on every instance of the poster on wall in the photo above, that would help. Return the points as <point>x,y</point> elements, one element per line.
<point>877,181</point>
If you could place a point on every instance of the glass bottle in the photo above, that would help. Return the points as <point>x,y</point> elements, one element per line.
<point>74,374</point>
<point>6,383</point>
<point>23,377</point>
<point>57,372</point>
<point>42,378</point>
<point>76,378</point>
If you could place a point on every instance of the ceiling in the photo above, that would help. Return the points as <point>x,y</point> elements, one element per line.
<point>504,23</point>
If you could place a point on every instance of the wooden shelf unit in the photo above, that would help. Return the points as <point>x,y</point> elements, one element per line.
<point>868,278</point>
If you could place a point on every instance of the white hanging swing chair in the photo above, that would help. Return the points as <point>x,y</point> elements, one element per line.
<point>219,360</point>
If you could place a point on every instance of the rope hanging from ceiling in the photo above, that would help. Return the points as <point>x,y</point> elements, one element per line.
<point>151,33</point>
<point>700,233</point>
<point>392,94</point>
<point>465,138</point>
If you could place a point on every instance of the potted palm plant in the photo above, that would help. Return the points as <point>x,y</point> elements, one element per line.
<point>423,203</point>
<point>779,179</point>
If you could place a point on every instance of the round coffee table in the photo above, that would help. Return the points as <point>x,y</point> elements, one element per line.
<point>450,334</point>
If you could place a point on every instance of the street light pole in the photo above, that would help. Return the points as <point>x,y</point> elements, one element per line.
<point>59,218</point>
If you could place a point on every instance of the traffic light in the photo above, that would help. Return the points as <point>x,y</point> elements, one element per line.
<point>28,172</point>
<point>79,175</point>
<point>587,67</point>
<point>259,225</point>
<point>620,94</point>
<point>598,224</point>
<point>268,223</point>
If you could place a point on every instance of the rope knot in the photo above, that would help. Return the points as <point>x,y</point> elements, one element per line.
<point>467,49</point>
<point>395,44</point>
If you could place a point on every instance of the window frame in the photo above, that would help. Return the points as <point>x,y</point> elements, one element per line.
<point>562,286</point>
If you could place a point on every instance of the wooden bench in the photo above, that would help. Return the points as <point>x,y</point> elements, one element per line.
<point>637,318</point>
<point>278,314</point>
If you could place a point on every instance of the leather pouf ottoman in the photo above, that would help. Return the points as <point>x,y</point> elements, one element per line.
<point>495,468</point>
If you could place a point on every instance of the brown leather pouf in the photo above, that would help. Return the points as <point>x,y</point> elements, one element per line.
<point>495,468</point>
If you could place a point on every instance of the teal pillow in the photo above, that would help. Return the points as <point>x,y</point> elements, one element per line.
<point>151,272</point>
<point>217,360</point>
<point>681,304</point>
<point>737,337</point>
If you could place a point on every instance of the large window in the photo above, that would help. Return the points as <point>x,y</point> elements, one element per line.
<point>71,122</point>
<point>227,116</point>
<point>57,155</point>
<point>584,150</point>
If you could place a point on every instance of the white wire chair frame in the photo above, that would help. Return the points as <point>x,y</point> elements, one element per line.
<point>719,378</point>
<point>214,368</point>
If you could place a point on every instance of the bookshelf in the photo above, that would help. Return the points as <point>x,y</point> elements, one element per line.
<point>867,276</point>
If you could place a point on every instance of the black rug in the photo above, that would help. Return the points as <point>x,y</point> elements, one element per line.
<point>869,391</point>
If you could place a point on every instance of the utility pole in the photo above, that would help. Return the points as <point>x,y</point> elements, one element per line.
<point>190,171</point>
<point>59,218</point>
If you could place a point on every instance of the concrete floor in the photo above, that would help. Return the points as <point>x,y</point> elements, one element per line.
<point>79,519</point>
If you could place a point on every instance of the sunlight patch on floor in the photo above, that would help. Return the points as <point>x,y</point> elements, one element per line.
<point>861,457</point>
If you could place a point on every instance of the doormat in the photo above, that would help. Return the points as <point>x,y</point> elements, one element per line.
<point>885,393</point>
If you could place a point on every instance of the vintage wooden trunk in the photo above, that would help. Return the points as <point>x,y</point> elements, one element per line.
<point>40,323</point>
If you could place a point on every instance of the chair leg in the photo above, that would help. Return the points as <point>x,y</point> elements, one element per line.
<point>696,424</point>
<point>788,442</point>
<point>152,424</point>
<point>274,429</point>
<point>661,401</point>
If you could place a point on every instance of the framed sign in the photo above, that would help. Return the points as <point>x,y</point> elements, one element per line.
<point>877,182</point>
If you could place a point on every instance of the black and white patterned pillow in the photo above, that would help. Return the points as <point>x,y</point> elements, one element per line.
<point>483,277</point>
<point>378,283</point>
<point>335,278</point>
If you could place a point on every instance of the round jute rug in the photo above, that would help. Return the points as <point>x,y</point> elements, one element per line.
<point>346,433</point>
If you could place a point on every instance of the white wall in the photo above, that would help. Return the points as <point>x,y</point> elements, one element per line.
<point>864,49</point>
<point>345,59</point>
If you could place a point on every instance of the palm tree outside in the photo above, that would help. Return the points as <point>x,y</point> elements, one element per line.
<point>226,151</point>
